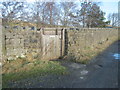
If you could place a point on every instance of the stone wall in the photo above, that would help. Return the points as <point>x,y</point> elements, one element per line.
<point>78,40</point>
<point>20,42</point>
<point>1,52</point>
<point>1,33</point>
<point>24,42</point>
<point>28,41</point>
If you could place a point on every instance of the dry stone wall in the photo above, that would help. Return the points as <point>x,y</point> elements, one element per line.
<point>1,33</point>
<point>27,41</point>
<point>78,40</point>
<point>19,42</point>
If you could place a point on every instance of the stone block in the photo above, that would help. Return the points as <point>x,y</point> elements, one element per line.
<point>9,35</point>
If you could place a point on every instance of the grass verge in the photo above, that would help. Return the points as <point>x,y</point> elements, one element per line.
<point>36,68</point>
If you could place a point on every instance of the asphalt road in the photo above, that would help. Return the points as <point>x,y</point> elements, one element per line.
<point>101,73</point>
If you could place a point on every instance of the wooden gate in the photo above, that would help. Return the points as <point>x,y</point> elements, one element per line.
<point>53,43</point>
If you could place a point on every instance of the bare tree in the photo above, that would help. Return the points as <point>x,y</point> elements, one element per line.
<point>50,9</point>
<point>67,12</point>
<point>12,9</point>
<point>113,18</point>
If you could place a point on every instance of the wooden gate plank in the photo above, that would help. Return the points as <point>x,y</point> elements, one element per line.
<point>52,45</point>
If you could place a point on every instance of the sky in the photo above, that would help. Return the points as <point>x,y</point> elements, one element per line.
<point>107,6</point>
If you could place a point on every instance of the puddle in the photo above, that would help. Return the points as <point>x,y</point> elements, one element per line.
<point>117,56</point>
<point>84,72</point>
<point>81,77</point>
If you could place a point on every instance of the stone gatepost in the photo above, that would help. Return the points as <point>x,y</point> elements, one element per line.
<point>1,52</point>
<point>0,40</point>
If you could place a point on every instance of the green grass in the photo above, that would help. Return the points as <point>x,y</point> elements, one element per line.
<point>39,68</point>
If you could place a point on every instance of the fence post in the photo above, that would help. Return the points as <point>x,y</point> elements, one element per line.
<point>62,42</point>
<point>42,42</point>
<point>63,48</point>
<point>56,31</point>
